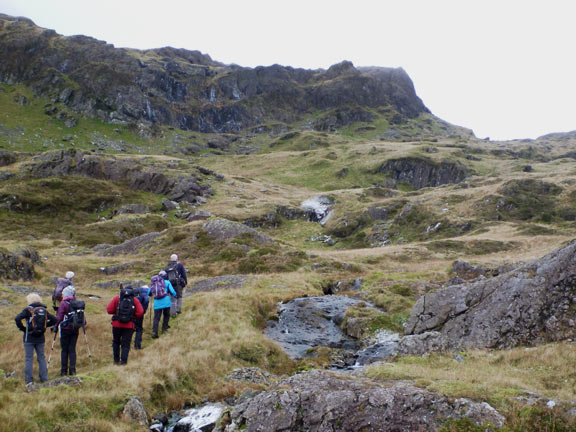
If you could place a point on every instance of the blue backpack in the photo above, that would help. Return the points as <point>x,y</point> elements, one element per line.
<point>143,297</point>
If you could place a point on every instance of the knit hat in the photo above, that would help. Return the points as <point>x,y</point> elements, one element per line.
<point>163,274</point>
<point>173,257</point>
<point>69,274</point>
<point>69,291</point>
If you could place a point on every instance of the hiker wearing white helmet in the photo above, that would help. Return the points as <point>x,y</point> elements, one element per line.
<point>61,283</point>
<point>177,276</point>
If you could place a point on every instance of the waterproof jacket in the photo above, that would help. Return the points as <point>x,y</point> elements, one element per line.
<point>143,297</point>
<point>181,272</point>
<point>60,285</point>
<point>113,305</point>
<point>26,314</point>
<point>165,302</point>
<point>63,310</point>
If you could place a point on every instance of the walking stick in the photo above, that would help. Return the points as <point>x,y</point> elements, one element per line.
<point>52,349</point>
<point>89,353</point>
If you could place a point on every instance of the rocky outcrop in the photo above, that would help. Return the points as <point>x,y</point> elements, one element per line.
<point>187,89</point>
<point>71,381</point>
<point>7,158</point>
<point>322,401</point>
<point>217,283</point>
<point>223,229</point>
<point>536,303</point>
<point>132,246</point>
<point>126,171</point>
<point>15,266</point>
<point>134,412</point>
<point>423,172</point>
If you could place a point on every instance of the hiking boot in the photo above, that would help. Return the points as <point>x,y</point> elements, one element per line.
<point>154,336</point>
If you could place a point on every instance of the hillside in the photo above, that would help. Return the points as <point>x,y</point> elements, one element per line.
<point>275,185</point>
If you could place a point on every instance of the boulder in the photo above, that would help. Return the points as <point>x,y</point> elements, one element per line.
<point>132,246</point>
<point>67,380</point>
<point>17,266</point>
<point>533,304</point>
<point>217,283</point>
<point>319,401</point>
<point>423,172</point>
<point>224,229</point>
<point>134,412</point>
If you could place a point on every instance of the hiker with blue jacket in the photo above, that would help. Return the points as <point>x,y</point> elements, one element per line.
<point>161,289</point>
<point>139,322</point>
<point>37,320</point>
<point>69,329</point>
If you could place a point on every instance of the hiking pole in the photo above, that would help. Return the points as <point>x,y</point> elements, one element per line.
<point>89,353</point>
<point>52,349</point>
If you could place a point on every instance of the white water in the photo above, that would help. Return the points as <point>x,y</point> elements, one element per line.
<point>197,418</point>
<point>320,205</point>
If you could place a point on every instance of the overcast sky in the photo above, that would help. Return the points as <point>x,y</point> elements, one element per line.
<point>504,68</point>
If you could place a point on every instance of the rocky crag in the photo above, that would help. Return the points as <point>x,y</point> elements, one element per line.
<point>189,90</point>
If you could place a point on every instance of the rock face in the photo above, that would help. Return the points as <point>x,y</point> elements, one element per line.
<point>310,322</point>
<point>535,303</point>
<point>224,229</point>
<point>187,89</point>
<point>72,162</point>
<point>132,246</point>
<point>134,412</point>
<point>423,172</point>
<point>321,402</point>
<point>18,266</point>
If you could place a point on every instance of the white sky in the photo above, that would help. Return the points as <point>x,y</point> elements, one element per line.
<point>504,68</point>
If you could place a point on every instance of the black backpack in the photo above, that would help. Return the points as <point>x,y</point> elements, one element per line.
<point>37,321</point>
<point>172,274</point>
<point>75,316</point>
<point>125,310</point>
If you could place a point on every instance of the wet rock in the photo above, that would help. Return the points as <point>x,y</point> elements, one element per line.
<point>322,401</point>
<point>223,229</point>
<point>318,208</point>
<point>423,172</point>
<point>311,322</point>
<point>200,419</point>
<point>134,412</point>
<point>385,348</point>
<point>68,380</point>
<point>132,246</point>
<point>532,304</point>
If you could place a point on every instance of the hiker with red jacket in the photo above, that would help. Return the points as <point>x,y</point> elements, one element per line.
<point>69,329</point>
<point>37,320</point>
<point>123,308</point>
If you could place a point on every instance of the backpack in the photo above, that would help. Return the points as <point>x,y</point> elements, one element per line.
<point>60,285</point>
<point>143,297</point>
<point>158,287</point>
<point>125,310</point>
<point>75,315</point>
<point>37,321</point>
<point>172,273</point>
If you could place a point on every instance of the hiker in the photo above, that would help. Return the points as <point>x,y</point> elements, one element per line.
<point>123,308</point>
<point>61,283</point>
<point>162,290</point>
<point>70,320</point>
<point>139,322</point>
<point>177,277</point>
<point>37,320</point>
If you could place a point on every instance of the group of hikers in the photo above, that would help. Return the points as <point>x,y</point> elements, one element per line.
<point>127,310</point>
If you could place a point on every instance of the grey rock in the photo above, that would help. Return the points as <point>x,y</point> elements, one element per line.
<point>199,215</point>
<point>4,175</point>
<point>252,375</point>
<point>468,271</point>
<point>135,412</point>
<point>217,283</point>
<point>132,209</point>
<point>110,270</point>
<point>529,305</point>
<point>223,229</point>
<point>115,284</point>
<point>168,205</point>
<point>68,380</point>
<point>132,246</point>
<point>17,266</point>
<point>423,172</point>
<point>322,402</point>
